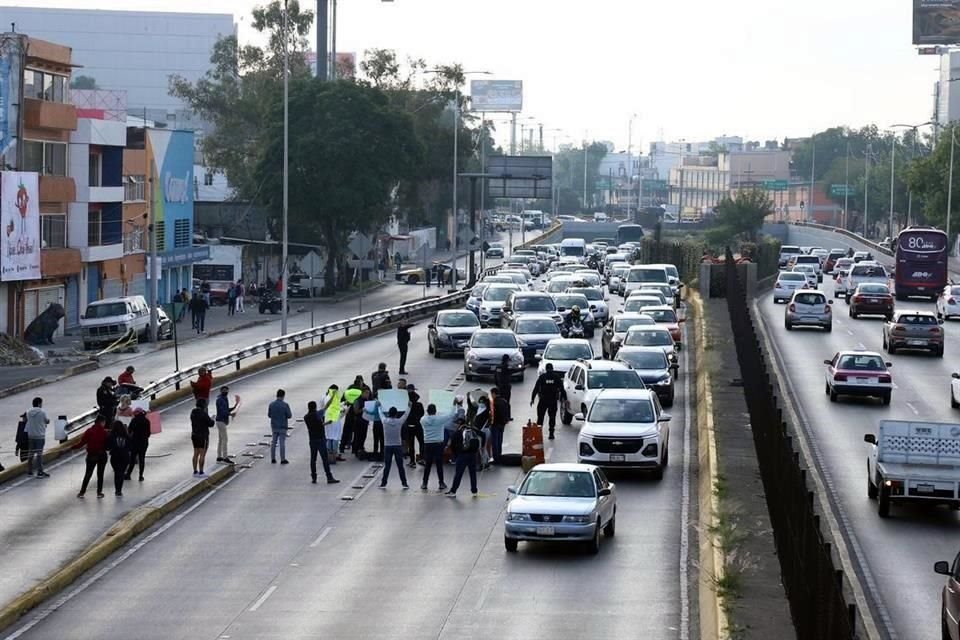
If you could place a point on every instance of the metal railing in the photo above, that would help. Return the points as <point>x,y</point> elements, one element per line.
<point>849,234</point>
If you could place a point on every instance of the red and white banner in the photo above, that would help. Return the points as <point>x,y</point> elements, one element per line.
<point>19,226</point>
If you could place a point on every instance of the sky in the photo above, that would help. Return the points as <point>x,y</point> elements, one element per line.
<point>682,69</point>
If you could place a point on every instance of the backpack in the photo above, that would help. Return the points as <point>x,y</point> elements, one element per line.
<point>471,441</point>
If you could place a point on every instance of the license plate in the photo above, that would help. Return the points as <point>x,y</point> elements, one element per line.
<point>865,380</point>
<point>545,531</point>
<point>618,457</point>
<point>916,343</point>
<point>925,488</point>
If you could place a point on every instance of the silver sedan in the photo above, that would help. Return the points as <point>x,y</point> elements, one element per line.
<point>563,503</point>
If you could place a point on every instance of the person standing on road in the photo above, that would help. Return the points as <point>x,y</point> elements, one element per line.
<point>434,427</point>
<point>200,423</point>
<point>22,448</point>
<point>95,440</point>
<point>36,429</point>
<point>333,415</point>
<point>414,430</point>
<point>107,399</point>
<point>504,381</point>
<point>499,414</point>
<point>380,379</point>
<point>403,340</point>
<point>382,270</point>
<point>318,443</point>
<point>482,423</point>
<point>279,414</point>
<point>232,300</point>
<point>139,441</point>
<point>224,413</point>
<point>118,444</point>
<point>466,444</point>
<point>549,387</point>
<point>241,290</point>
<point>202,385</point>
<point>393,447</point>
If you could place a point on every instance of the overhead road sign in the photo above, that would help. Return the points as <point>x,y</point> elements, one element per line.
<point>496,95</point>
<point>528,177</point>
<point>775,185</point>
<point>841,190</point>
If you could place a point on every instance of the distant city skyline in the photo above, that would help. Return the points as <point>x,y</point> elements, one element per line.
<point>692,71</point>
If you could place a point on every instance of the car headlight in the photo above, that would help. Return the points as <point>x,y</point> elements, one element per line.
<point>516,358</point>
<point>664,381</point>
<point>586,449</point>
<point>518,517</point>
<point>471,356</point>
<point>577,519</point>
<point>443,337</point>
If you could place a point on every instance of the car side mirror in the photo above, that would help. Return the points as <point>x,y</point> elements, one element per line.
<point>561,309</point>
<point>664,417</point>
<point>537,358</point>
<point>606,298</point>
<point>870,438</point>
<point>889,364</point>
<point>955,376</point>
<point>941,566</point>
<point>940,321</point>
<point>578,417</point>
<point>681,320</point>
<point>512,489</point>
<point>83,317</point>
<point>593,307</point>
<point>830,301</point>
<point>828,362</point>
<point>431,326</point>
<point>606,492</point>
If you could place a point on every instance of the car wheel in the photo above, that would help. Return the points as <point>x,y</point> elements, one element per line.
<point>519,378</point>
<point>566,417</point>
<point>595,543</point>
<point>833,395</point>
<point>883,502</point>
<point>871,488</point>
<point>944,628</point>
<point>658,473</point>
<point>412,279</point>
<point>510,544</point>
<point>939,351</point>
<point>468,377</point>
<point>430,348</point>
<point>262,309</point>
<point>829,328</point>
<point>885,398</point>
<point>853,314</point>
<point>788,326</point>
<point>611,529</point>
<point>436,353</point>
<point>669,401</point>
<point>846,298</point>
<point>826,388</point>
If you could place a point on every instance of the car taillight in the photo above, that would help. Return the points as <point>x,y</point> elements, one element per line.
<point>934,329</point>
<point>899,329</point>
<point>857,298</point>
<point>886,379</point>
<point>779,285</point>
<point>793,307</point>
<point>839,377</point>
<point>826,309</point>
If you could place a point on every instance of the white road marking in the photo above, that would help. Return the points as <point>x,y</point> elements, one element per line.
<point>549,452</point>
<point>263,598</point>
<point>50,467</point>
<point>850,332</point>
<point>685,499</point>
<point>323,534</point>
<point>86,584</point>
<point>860,346</point>
<point>913,408</point>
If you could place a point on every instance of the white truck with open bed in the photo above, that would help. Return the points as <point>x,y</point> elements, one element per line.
<point>914,460</point>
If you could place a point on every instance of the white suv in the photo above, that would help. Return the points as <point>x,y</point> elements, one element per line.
<point>627,429</point>
<point>585,380</point>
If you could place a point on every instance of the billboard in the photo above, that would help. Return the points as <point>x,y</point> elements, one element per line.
<point>496,95</point>
<point>20,223</point>
<point>936,22</point>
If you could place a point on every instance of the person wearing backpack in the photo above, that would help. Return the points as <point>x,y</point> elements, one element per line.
<point>467,442</point>
<point>118,444</point>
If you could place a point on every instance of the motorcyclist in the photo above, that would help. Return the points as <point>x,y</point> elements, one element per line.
<point>573,321</point>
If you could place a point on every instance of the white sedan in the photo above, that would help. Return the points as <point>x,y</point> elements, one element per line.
<point>563,352</point>
<point>788,282</point>
<point>948,304</point>
<point>955,390</point>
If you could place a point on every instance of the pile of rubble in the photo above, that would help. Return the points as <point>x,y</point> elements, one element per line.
<point>14,351</point>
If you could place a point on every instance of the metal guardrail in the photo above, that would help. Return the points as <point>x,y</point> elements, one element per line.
<point>363,322</point>
<point>843,232</point>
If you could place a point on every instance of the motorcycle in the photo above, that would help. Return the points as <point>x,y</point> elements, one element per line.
<point>270,301</point>
<point>575,330</point>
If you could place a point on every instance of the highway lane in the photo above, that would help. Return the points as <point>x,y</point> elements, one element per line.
<point>271,556</point>
<point>899,551</point>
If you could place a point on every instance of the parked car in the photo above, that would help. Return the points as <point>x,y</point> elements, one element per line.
<point>858,373</point>
<point>950,599</point>
<point>416,275</point>
<point>534,332</point>
<point>948,303</point>
<point>106,321</point>
<point>450,331</point>
<point>809,309</point>
<point>627,429</point>
<point>586,379</point>
<point>788,282</point>
<point>871,299</point>
<point>913,330</point>
<point>561,502</point>
<point>654,368</point>
<point>485,352</point>
<point>616,330</point>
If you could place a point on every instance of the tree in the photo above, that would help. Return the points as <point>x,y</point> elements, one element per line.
<point>929,180</point>
<point>339,181</point>
<point>741,216</point>
<point>569,176</point>
<point>84,82</point>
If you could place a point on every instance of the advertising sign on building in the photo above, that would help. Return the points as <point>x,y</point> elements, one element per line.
<point>20,220</point>
<point>496,95</point>
<point>10,47</point>
<point>936,22</point>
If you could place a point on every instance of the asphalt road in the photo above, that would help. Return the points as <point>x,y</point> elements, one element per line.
<point>898,552</point>
<point>270,555</point>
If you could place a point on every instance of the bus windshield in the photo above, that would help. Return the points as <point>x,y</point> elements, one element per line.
<point>629,233</point>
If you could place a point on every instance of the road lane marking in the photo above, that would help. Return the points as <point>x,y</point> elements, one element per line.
<point>685,498</point>
<point>49,467</point>
<point>860,346</point>
<point>913,408</point>
<point>548,454</point>
<point>263,598</point>
<point>323,534</point>
<point>61,601</point>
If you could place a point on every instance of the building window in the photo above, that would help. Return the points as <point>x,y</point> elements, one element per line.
<point>94,162</point>
<point>46,158</point>
<point>32,156</point>
<point>160,235</point>
<point>133,188</point>
<point>94,228</point>
<point>42,85</point>
<point>53,230</point>
<point>181,233</point>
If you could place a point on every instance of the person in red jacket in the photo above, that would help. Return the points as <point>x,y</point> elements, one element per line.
<point>95,439</point>
<point>202,385</point>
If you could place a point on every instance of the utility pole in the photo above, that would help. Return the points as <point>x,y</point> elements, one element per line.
<point>333,43</point>
<point>866,188</point>
<point>813,173</point>
<point>323,11</point>
<point>893,153</point>
<point>950,187</point>
<point>585,175</point>
<point>513,133</point>
<point>846,186</point>
<point>284,284</point>
<point>456,133</point>
<point>154,267</point>
<point>630,164</point>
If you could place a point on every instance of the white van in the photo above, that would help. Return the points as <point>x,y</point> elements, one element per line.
<point>107,320</point>
<point>599,216</point>
<point>573,248</point>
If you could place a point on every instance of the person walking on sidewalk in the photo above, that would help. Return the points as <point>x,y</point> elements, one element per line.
<point>279,414</point>
<point>549,387</point>
<point>184,303</point>
<point>504,381</point>
<point>107,399</point>
<point>241,289</point>
<point>200,423</point>
<point>393,447</point>
<point>95,440</point>
<point>224,413</point>
<point>434,427</point>
<point>198,307</point>
<point>118,444</point>
<point>139,441</point>
<point>499,414</point>
<point>36,429</point>
<point>466,444</point>
<point>232,300</point>
<point>318,443</point>
<point>403,340</point>
<point>202,385</point>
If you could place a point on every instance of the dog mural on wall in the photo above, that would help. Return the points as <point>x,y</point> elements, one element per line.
<point>40,331</point>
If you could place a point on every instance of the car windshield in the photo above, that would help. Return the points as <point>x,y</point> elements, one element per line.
<point>672,271</point>
<point>634,305</point>
<point>497,294</point>
<point>647,338</point>
<point>592,278</point>
<point>614,379</point>
<point>559,484</point>
<point>537,325</point>
<point>861,363</point>
<point>559,285</point>
<point>478,290</point>
<point>874,288</point>
<point>955,291</point>
<point>647,275</point>
<point>107,310</point>
<point>810,298</point>
<point>567,351</point>
<point>466,319</point>
<point>496,245</point>
<point>792,276</point>
<point>621,410</point>
<point>567,302</point>
<point>869,271</point>
<point>661,315</point>
<point>534,303</point>
<point>590,294</point>
<point>622,325</point>
<point>643,359</point>
<point>494,341</point>
<point>916,320</point>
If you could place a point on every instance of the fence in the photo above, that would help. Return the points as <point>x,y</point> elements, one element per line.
<point>814,586</point>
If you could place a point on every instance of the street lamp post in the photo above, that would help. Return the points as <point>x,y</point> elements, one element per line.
<point>284,285</point>
<point>630,164</point>
<point>893,154</point>
<point>866,188</point>
<point>950,183</point>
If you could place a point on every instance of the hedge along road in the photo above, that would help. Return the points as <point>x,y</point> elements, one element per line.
<point>275,546</point>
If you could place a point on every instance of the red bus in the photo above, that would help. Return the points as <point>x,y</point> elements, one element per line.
<point>921,267</point>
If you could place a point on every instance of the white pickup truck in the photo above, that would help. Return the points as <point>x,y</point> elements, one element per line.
<point>914,461</point>
<point>864,272</point>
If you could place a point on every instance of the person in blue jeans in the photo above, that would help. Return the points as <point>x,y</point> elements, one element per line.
<point>393,444</point>
<point>279,414</point>
<point>434,428</point>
